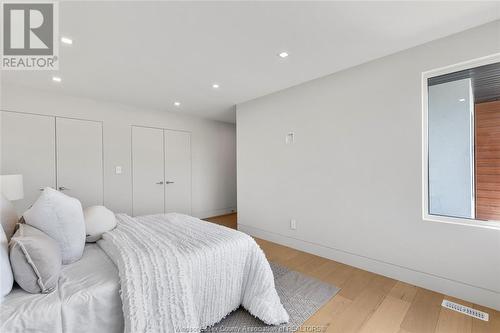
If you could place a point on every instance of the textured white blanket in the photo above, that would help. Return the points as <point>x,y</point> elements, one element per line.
<point>181,274</point>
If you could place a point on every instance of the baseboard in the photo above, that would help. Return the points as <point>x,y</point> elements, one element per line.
<point>215,212</point>
<point>474,294</point>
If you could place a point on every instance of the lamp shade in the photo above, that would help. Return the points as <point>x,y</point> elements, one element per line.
<point>11,186</point>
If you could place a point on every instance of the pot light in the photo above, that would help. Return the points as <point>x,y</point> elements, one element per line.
<point>177,103</point>
<point>215,86</point>
<point>67,40</point>
<point>56,79</point>
<point>283,54</point>
<point>461,100</point>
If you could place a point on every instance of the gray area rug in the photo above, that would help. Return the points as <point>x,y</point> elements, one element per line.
<point>301,296</point>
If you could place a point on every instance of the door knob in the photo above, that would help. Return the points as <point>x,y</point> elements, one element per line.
<point>62,188</point>
<point>168,182</point>
<point>160,183</point>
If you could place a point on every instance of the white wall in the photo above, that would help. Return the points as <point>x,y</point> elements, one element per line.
<point>451,143</point>
<point>213,145</point>
<point>353,178</point>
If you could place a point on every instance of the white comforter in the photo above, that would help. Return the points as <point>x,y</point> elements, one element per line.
<point>181,274</point>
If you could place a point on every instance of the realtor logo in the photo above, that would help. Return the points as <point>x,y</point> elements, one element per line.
<point>29,38</point>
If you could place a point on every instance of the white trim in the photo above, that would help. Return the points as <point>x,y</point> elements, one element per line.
<point>472,152</point>
<point>425,172</point>
<point>459,289</point>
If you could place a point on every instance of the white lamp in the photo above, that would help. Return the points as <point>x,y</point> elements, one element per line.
<point>11,188</point>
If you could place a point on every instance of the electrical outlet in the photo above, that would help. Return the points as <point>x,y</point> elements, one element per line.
<point>118,170</point>
<point>293,224</point>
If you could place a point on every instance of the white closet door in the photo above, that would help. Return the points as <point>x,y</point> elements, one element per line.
<point>147,171</point>
<point>177,172</point>
<point>79,160</point>
<point>28,148</point>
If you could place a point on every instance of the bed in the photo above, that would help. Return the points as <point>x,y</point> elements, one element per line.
<point>157,273</point>
<point>87,297</point>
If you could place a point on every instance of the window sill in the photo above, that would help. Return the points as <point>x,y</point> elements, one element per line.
<point>462,221</point>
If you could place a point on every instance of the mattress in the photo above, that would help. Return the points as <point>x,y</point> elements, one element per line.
<point>87,300</point>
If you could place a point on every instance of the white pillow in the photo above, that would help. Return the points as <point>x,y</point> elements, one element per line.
<point>98,220</point>
<point>6,278</point>
<point>35,259</point>
<point>60,217</point>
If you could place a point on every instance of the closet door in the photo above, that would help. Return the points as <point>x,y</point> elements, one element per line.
<point>177,172</point>
<point>147,171</point>
<point>79,160</point>
<point>28,148</point>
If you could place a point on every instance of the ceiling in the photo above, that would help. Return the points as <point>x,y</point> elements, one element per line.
<point>151,54</point>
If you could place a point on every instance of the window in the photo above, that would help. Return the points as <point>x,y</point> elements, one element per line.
<point>461,143</point>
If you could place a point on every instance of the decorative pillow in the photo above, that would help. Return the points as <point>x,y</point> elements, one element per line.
<point>35,260</point>
<point>98,220</point>
<point>8,217</point>
<point>6,279</point>
<point>61,218</point>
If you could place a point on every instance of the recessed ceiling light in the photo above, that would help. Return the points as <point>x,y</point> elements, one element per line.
<point>283,54</point>
<point>67,40</point>
<point>177,103</point>
<point>215,85</point>
<point>461,100</point>
<point>56,79</point>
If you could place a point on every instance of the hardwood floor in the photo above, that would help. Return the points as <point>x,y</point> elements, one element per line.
<point>229,220</point>
<point>370,303</point>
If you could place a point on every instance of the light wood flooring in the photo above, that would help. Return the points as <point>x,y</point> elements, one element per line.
<point>370,303</point>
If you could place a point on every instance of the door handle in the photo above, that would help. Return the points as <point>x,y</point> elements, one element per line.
<point>169,182</point>
<point>62,188</point>
<point>159,183</point>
